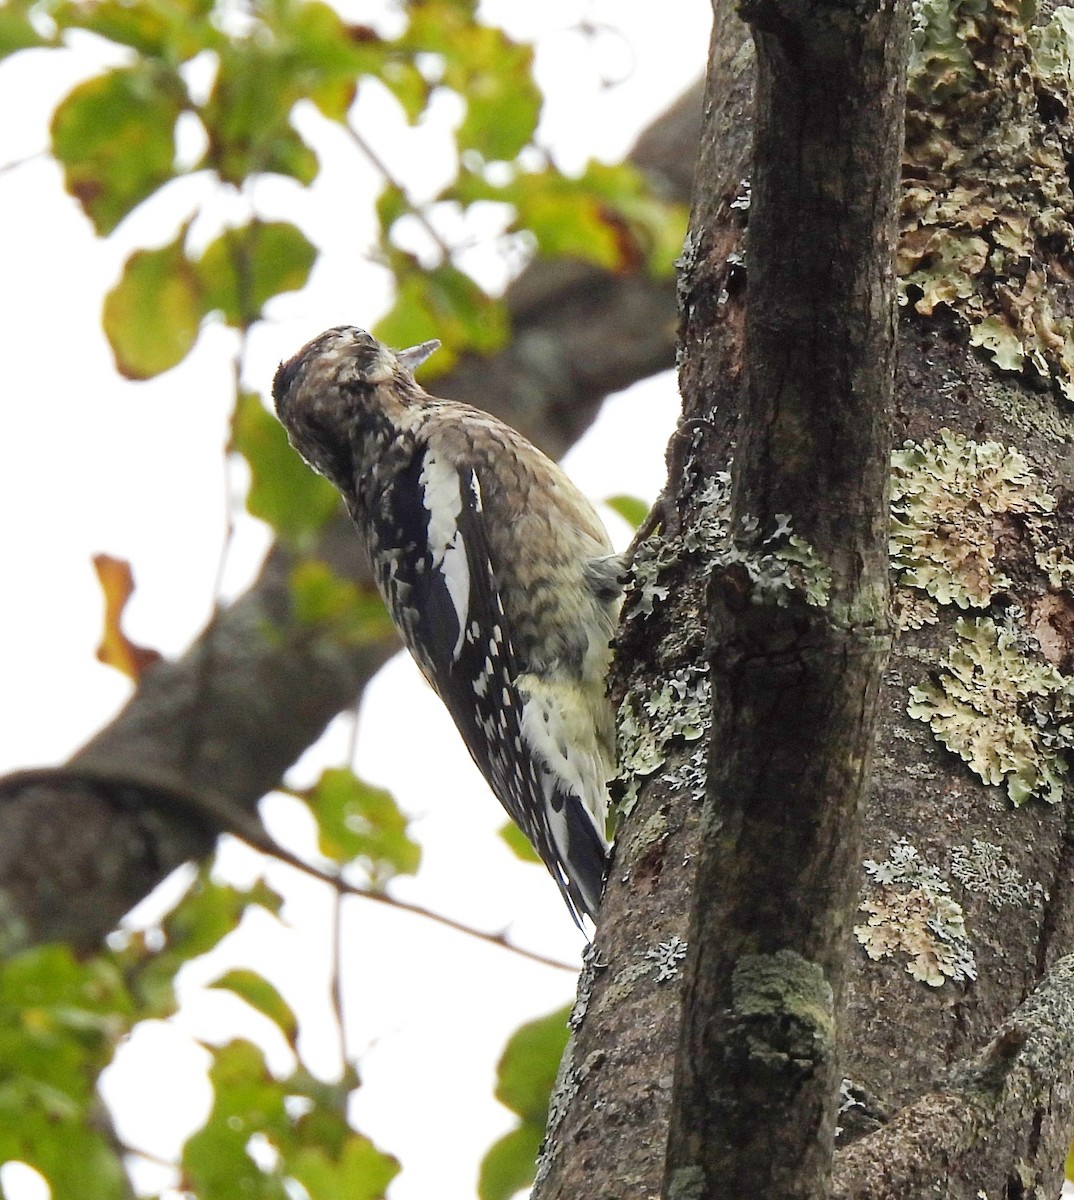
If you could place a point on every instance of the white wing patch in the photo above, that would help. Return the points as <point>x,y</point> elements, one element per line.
<point>442,496</point>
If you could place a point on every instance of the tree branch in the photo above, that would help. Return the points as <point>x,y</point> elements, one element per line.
<point>986,1121</point>
<point>218,812</point>
<point>607,1131</point>
<point>798,608</point>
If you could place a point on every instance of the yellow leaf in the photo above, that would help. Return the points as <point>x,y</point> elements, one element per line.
<point>116,649</point>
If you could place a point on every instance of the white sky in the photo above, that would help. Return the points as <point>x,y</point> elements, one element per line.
<point>92,463</point>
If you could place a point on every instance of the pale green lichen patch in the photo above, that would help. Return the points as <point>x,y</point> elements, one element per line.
<point>987,207</point>
<point>1010,718</point>
<point>1032,412</point>
<point>680,706</point>
<point>1056,562</point>
<point>983,868</point>
<point>940,62</point>
<point>949,500</point>
<point>785,1001</point>
<point>687,1183</point>
<point>909,912</point>
<point>640,748</point>
<point>1053,46</point>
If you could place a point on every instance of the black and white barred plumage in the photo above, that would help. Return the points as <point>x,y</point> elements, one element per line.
<point>497,572</point>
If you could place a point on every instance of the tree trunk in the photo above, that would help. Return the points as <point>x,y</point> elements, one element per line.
<point>958,1058</point>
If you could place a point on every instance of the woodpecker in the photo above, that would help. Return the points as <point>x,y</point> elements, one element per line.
<point>497,572</point>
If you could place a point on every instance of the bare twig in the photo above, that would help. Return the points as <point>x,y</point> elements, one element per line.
<point>38,155</point>
<point>336,952</point>
<point>217,811</point>
<point>416,210</point>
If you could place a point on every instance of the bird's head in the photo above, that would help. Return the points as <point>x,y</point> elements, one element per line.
<point>322,392</point>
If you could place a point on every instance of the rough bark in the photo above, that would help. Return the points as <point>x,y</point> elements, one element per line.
<point>237,709</point>
<point>988,1119</point>
<point>607,1129</point>
<point>967,899</point>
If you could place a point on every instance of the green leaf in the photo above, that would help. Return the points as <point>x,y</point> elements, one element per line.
<point>60,1020</point>
<point>391,205</point>
<point>247,1100</point>
<point>322,1123</point>
<point>527,1068</point>
<point>260,994</point>
<point>353,615</point>
<point>75,1160</point>
<point>358,1172</point>
<point>114,136</point>
<point>153,314</point>
<point>60,1023</point>
<point>503,103</point>
<point>313,1144</point>
<point>358,822</point>
<point>207,913</point>
<point>407,84</point>
<point>284,492</point>
<point>632,509</point>
<point>244,268</point>
<point>519,844</point>
<point>172,30</point>
<point>16,30</point>
<point>323,55</point>
<point>608,216</point>
<point>510,1164</point>
<point>492,75</point>
<point>247,116</point>
<point>524,1078</point>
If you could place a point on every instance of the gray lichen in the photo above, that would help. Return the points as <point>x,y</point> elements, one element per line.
<point>563,1092</point>
<point>707,529</point>
<point>982,867</point>
<point>711,521</point>
<point>678,711</point>
<point>591,965</point>
<point>645,572</point>
<point>781,565</point>
<point>666,958</point>
<point>690,774</point>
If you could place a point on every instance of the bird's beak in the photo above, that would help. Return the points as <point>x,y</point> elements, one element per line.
<point>414,356</point>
